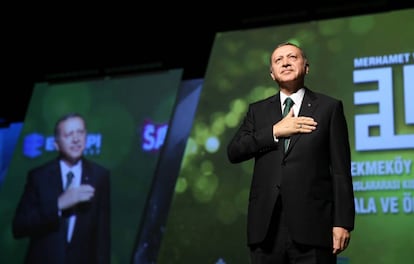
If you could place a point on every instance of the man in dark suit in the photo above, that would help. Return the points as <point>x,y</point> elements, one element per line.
<point>301,206</point>
<point>67,220</point>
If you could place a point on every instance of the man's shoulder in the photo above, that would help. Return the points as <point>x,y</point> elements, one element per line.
<point>321,96</point>
<point>88,163</point>
<point>267,100</point>
<point>51,164</point>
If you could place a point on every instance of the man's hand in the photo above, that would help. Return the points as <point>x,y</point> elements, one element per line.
<point>341,238</point>
<point>75,195</point>
<point>290,125</point>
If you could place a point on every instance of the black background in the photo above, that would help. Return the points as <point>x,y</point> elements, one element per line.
<point>75,41</point>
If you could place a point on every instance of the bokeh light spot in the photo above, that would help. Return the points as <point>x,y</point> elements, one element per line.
<point>181,185</point>
<point>212,144</point>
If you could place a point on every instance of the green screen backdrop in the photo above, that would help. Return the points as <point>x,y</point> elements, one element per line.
<point>366,61</point>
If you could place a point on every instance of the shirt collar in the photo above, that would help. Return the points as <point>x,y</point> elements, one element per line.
<point>297,97</point>
<point>76,169</point>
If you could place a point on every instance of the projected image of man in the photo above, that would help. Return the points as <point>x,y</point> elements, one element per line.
<point>65,206</point>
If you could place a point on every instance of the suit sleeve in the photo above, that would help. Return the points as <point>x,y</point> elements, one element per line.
<point>37,210</point>
<point>250,139</point>
<point>344,211</point>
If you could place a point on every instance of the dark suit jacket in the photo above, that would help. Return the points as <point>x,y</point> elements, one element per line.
<point>37,217</point>
<point>313,177</point>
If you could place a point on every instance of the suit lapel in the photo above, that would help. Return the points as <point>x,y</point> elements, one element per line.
<point>274,112</point>
<point>54,178</point>
<point>309,103</point>
<point>83,209</point>
<point>86,172</point>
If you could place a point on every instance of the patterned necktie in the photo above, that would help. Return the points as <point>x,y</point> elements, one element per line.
<point>288,105</point>
<point>69,178</point>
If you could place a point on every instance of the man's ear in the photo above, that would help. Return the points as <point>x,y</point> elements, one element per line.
<point>272,75</point>
<point>56,145</point>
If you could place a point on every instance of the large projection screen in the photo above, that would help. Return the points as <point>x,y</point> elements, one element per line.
<point>367,61</point>
<point>127,118</point>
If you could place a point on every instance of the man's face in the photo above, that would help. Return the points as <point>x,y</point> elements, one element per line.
<point>71,139</point>
<point>288,64</point>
